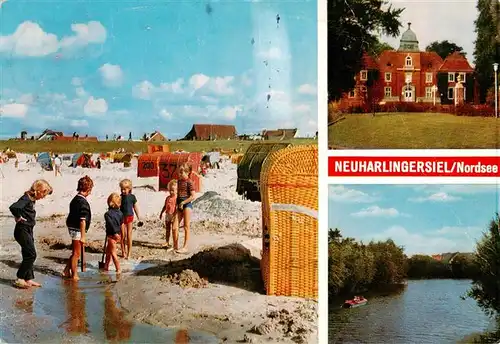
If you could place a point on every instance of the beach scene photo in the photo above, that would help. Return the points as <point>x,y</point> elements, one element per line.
<point>413,264</point>
<point>158,172</point>
<point>413,74</point>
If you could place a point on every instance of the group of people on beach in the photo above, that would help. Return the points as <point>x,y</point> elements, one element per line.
<point>119,220</point>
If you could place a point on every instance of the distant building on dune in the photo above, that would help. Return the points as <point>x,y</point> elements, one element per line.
<point>411,75</point>
<point>157,137</point>
<point>209,132</point>
<point>49,135</point>
<point>279,134</point>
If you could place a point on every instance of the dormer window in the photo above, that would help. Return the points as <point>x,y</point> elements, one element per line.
<point>408,61</point>
<point>451,78</point>
<point>363,75</point>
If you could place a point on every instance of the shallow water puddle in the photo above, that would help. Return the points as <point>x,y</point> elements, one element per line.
<point>87,312</point>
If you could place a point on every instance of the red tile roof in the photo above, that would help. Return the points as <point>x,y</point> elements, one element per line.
<point>430,60</point>
<point>456,62</point>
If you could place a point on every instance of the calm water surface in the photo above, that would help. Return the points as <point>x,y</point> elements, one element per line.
<point>428,311</point>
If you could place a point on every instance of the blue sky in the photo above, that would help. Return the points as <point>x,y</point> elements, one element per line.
<point>105,67</point>
<point>425,219</point>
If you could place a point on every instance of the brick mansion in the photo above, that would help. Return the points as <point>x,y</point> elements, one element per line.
<point>411,75</point>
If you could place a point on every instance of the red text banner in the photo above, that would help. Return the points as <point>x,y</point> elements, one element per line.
<point>371,166</point>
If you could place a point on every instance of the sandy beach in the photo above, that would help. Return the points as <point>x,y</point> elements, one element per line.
<point>215,289</point>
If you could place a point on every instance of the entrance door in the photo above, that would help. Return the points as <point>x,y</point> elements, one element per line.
<point>408,94</point>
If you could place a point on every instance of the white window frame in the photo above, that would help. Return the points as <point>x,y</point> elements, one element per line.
<point>365,72</point>
<point>428,92</point>
<point>462,76</point>
<point>363,89</point>
<point>352,94</point>
<point>408,59</point>
<point>408,78</point>
<point>428,77</point>
<point>387,92</point>
<point>388,77</point>
<point>451,78</point>
<point>452,93</point>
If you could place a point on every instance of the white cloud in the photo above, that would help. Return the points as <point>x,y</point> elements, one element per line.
<point>13,110</point>
<point>273,53</point>
<point>165,114</point>
<point>30,39</point>
<point>307,89</point>
<point>230,112</point>
<point>79,123</point>
<point>339,193</point>
<point>95,106</point>
<point>112,75</point>
<point>376,211</point>
<point>302,108</point>
<point>80,92</point>
<point>76,81</point>
<point>212,85</point>
<point>176,87</point>
<point>27,99</point>
<point>452,230</point>
<point>143,90</point>
<point>416,243</point>
<point>197,81</point>
<point>436,197</point>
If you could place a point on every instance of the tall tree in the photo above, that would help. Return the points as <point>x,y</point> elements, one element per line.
<point>486,286</point>
<point>352,27</point>
<point>444,48</point>
<point>487,44</point>
<point>378,47</point>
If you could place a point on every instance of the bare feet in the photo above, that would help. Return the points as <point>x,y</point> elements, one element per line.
<point>75,277</point>
<point>66,273</point>
<point>182,250</point>
<point>22,284</point>
<point>118,271</point>
<point>33,283</point>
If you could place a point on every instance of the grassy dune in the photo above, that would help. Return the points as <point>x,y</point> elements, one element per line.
<point>415,130</point>
<point>129,146</point>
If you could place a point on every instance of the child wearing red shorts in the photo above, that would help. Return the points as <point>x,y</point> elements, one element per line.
<point>128,208</point>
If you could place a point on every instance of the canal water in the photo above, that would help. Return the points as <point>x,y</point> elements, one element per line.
<point>64,311</point>
<point>426,311</point>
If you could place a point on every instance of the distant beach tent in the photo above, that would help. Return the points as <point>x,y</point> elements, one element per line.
<point>82,159</point>
<point>45,161</point>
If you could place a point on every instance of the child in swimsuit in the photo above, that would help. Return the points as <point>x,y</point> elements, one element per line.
<point>170,210</point>
<point>114,219</point>
<point>128,207</point>
<point>185,195</point>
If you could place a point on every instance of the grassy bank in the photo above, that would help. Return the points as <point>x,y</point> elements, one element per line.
<point>415,130</point>
<point>129,146</point>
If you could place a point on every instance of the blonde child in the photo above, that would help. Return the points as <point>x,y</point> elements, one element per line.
<point>169,208</point>
<point>185,196</point>
<point>24,215</point>
<point>113,219</point>
<point>128,207</point>
<point>78,223</point>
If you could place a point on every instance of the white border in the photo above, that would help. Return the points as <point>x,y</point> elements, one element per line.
<point>322,173</point>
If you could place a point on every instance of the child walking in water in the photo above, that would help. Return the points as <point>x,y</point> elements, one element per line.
<point>169,208</point>
<point>24,215</point>
<point>78,222</point>
<point>114,219</point>
<point>128,207</point>
<point>185,196</point>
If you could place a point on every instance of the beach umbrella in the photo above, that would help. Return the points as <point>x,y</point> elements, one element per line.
<point>75,158</point>
<point>45,161</point>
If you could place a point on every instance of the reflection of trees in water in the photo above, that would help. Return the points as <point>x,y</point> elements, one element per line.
<point>75,306</point>
<point>116,327</point>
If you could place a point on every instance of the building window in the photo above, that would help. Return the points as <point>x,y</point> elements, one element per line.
<point>461,77</point>
<point>451,78</point>
<point>388,77</point>
<point>363,75</point>
<point>408,61</point>
<point>352,94</point>
<point>451,92</point>
<point>408,78</point>
<point>387,92</point>
<point>428,77</point>
<point>428,92</point>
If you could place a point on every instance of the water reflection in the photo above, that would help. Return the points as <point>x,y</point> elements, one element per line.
<point>182,337</point>
<point>116,327</point>
<point>75,306</point>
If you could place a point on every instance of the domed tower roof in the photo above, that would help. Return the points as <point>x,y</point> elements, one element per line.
<point>409,41</point>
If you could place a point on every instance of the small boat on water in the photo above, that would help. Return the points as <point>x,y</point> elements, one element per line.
<point>356,302</point>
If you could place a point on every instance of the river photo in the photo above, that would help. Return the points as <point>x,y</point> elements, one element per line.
<point>427,311</point>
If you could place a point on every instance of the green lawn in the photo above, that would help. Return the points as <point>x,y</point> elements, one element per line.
<point>106,146</point>
<point>414,130</point>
